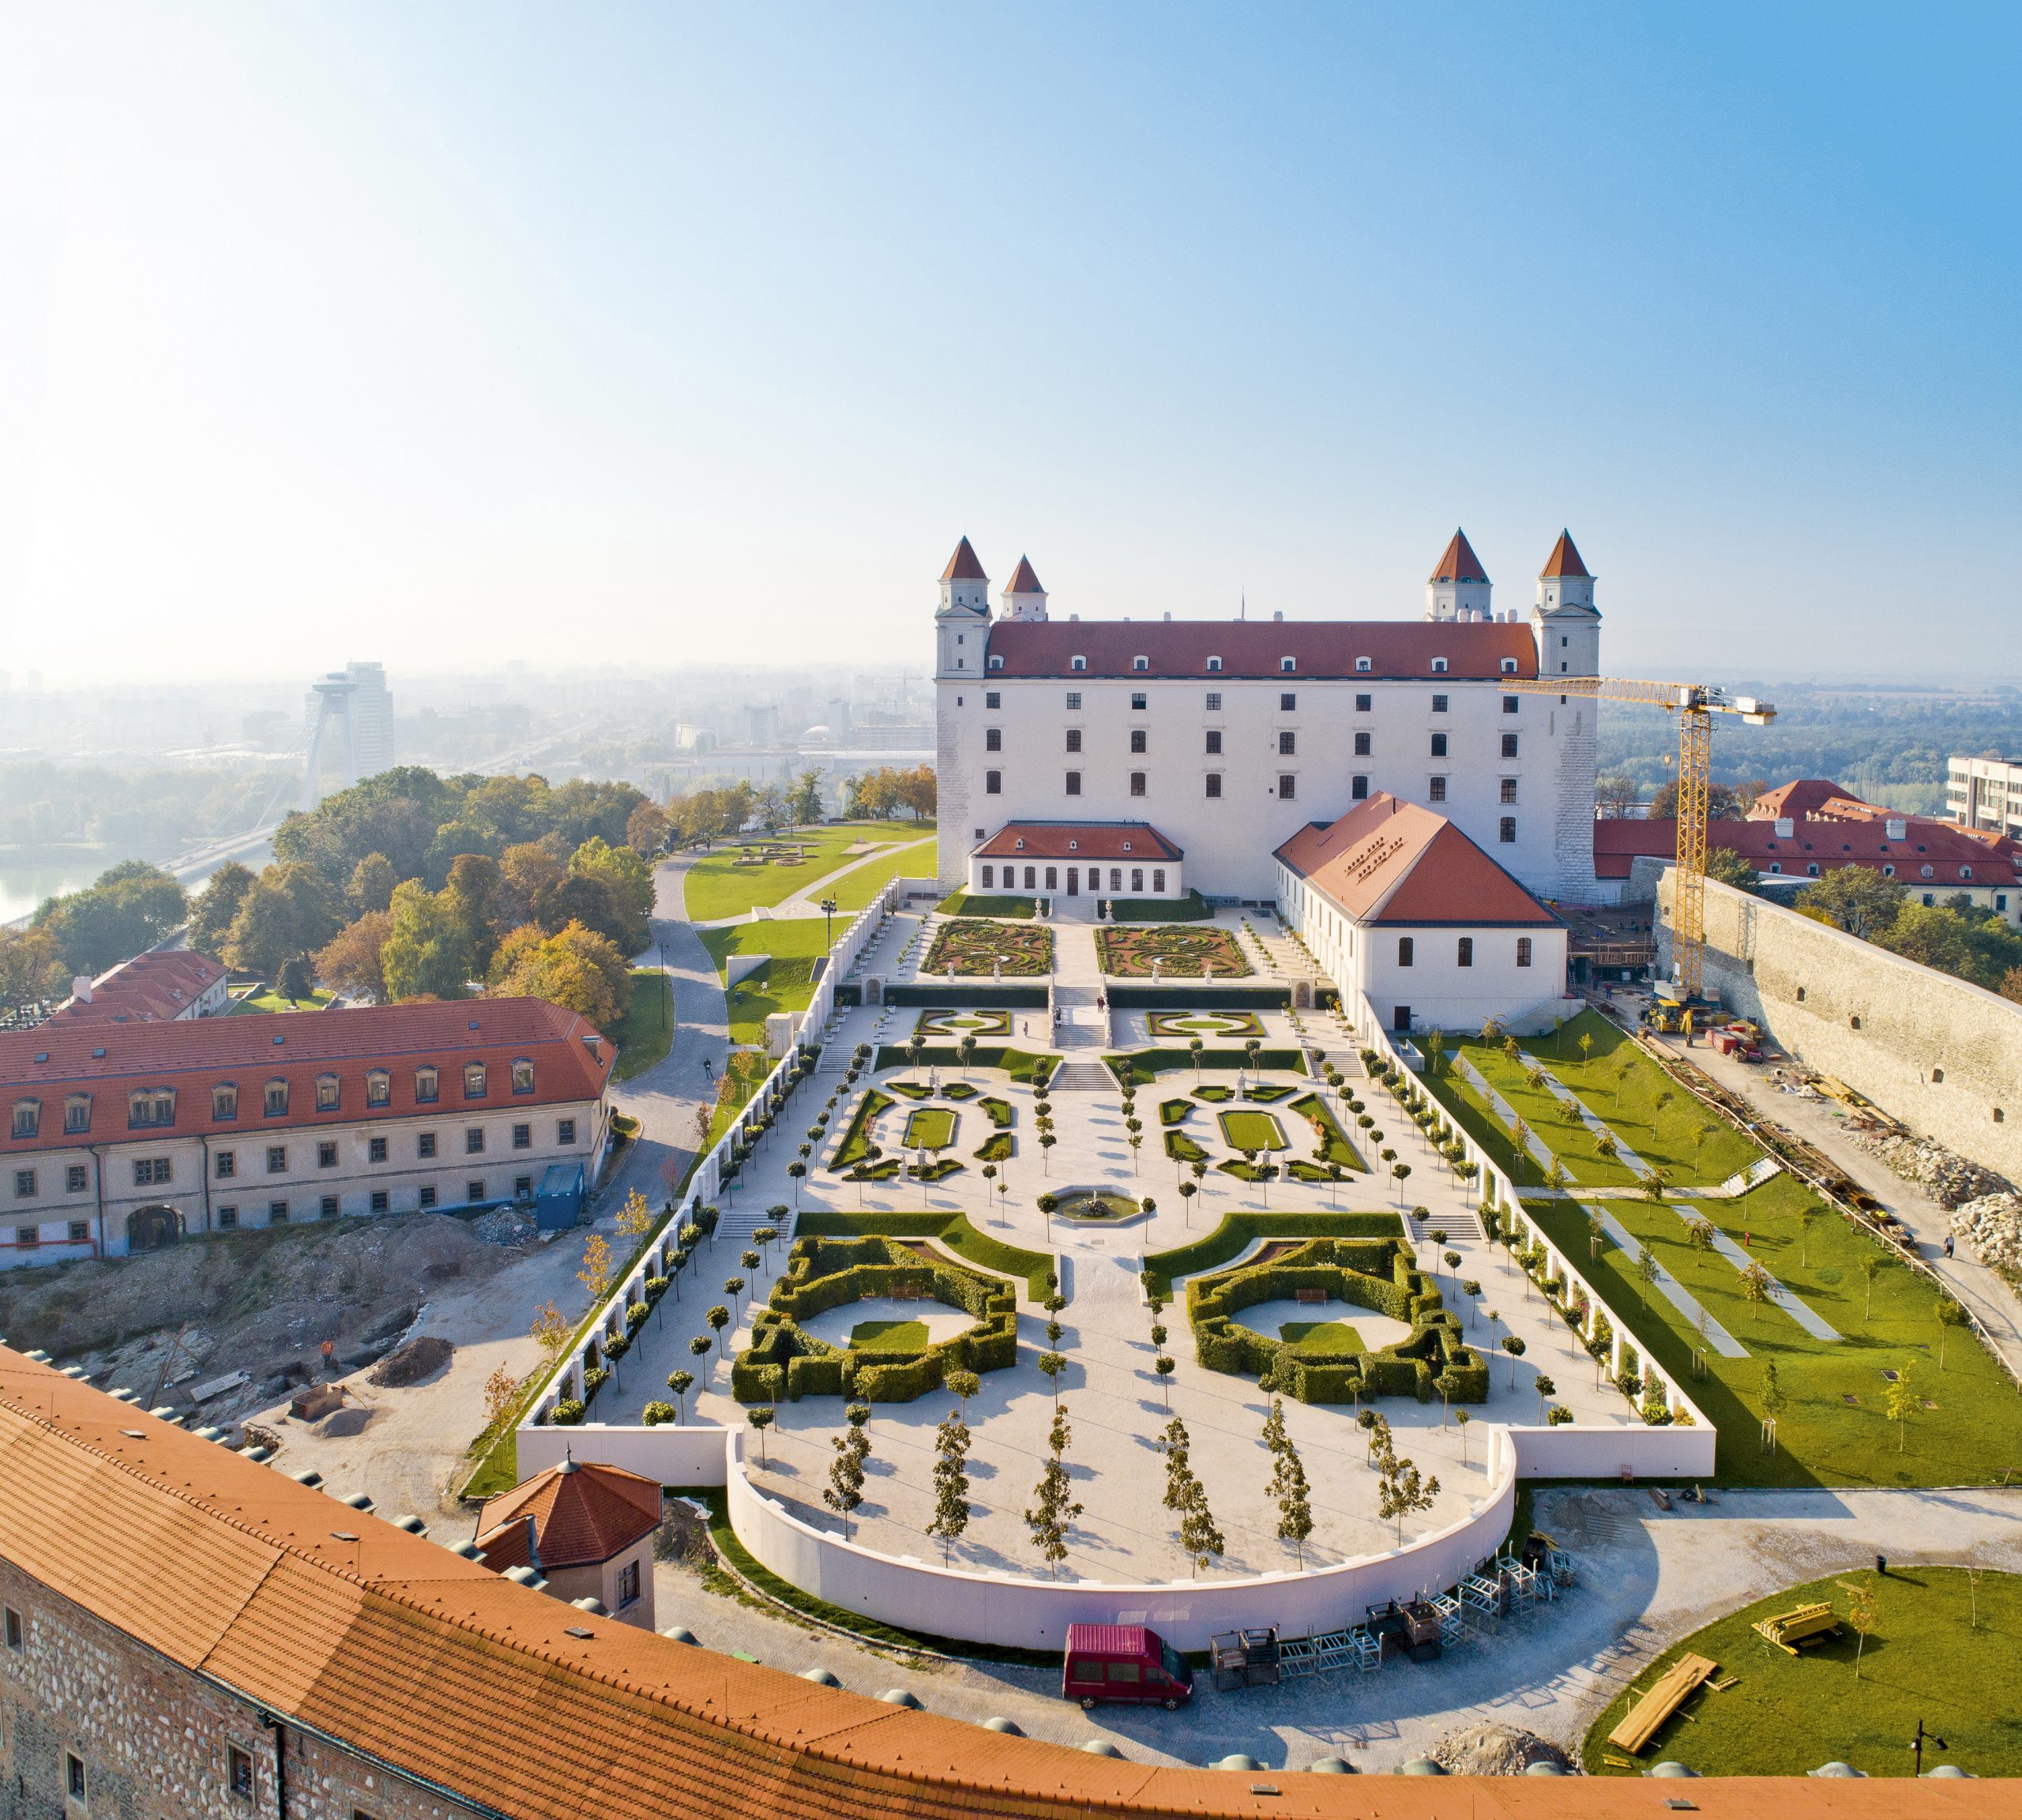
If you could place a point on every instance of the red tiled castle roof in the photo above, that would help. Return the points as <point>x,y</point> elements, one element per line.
<point>1392,861</point>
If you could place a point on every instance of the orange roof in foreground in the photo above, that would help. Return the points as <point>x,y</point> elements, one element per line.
<point>1391,861</point>
<point>430,1665</point>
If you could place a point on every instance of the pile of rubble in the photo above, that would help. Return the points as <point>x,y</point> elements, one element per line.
<point>503,1226</point>
<point>1489,1749</point>
<point>1949,1178</point>
<point>1993,1226</point>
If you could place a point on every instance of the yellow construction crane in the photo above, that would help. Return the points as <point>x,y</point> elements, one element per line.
<point>1695,705</point>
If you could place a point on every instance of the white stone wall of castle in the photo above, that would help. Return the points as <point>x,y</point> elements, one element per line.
<point>1228,841</point>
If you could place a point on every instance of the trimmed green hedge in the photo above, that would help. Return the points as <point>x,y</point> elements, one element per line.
<point>1191,908</point>
<point>1174,1112</point>
<point>1372,1273</point>
<point>1182,1149</point>
<point>1228,1240</point>
<point>953,1230</point>
<point>999,1112</point>
<point>965,904</point>
<point>1145,1063</point>
<point>784,1359</point>
<point>858,1137</point>
<point>1337,1147</point>
<point>997,1148</point>
<point>1016,1063</point>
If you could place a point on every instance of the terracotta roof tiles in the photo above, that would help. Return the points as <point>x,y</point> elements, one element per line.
<point>583,1514</point>
<point>1387,861</point>
<point>964,566</point>
<point>1320,649</point>
<point>1024,580</point>
<point>1459,563</point>
<point>1079,841</point>
<point>1564,563</point>
<point>149,988</point>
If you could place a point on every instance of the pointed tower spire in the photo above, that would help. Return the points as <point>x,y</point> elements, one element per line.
<point>1564,564</point>
<point>1024,597</point>
<point>1459,587</point>
<point>964,566</point>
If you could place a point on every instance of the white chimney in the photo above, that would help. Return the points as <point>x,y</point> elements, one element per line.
<point>1785,828</point>
<point>1896,828</point>
<point>80,990</point>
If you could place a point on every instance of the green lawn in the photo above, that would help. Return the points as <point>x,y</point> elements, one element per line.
<point>1333,1141</point>
<point>1926,1658</point>
<point>964,904</point>
<point>1835,1429</point>
<point>1333,1339</point>
<point>1248,1131</point>
<point>1645,1108</point>
<point>953,1229</point>
<point>1212,1250</point>
<point>801,936</point>
<point>786,984</point>
<point>647,1028</point>
<point>855,889</point>
<point>929,1128</point>
<point>271,1001</point>
<point>718,887</point>
<point>889,1336</point>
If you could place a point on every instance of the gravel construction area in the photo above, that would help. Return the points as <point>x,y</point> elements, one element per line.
<point>1647,1577</point>
<point>261,1303</point>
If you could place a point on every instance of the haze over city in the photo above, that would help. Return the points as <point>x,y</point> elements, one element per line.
<point>661,336</point>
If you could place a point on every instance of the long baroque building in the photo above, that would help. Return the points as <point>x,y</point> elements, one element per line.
<point>122,1137</point>
<point>1228,736</point>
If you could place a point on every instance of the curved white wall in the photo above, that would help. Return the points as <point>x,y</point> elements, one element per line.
<point>1008,1610</point>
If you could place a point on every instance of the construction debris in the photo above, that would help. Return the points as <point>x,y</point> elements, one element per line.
<point>1947,1177</point>
<point>1489,1749</point>
<point>409,1364</point>
<point>1993,1226</point>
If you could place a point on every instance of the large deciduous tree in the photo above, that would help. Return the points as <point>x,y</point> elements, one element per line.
<point>426,954</point>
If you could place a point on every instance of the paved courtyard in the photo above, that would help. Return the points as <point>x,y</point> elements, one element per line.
<point>1117,1405</point>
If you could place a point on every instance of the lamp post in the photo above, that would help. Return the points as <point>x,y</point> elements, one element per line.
<point>829,928</point>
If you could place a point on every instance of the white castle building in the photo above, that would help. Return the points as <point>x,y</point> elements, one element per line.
<point>1069,750</point>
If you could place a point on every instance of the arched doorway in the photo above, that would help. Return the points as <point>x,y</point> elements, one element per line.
<point>153,1228</point>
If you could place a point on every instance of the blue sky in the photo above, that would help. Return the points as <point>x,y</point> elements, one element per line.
<point>660,333</point>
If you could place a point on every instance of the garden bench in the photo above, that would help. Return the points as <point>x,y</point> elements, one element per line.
<point>1310,1296</point>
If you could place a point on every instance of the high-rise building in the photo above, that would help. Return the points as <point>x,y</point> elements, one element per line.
<point>356,700</point>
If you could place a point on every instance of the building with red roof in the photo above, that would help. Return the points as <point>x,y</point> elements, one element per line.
<point>1398,905</point>
<point>1231,733</point>
<point>587,1529</point>
<point>159,986</point>
<point>1107,859</point>
<point>119,1136</point>
<point>1811,826</point>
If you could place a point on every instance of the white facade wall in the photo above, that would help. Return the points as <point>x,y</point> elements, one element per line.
<point>76,1199</point>
<point>1134,875</point>
<point>1228,841</point>
<point>1362,960</point>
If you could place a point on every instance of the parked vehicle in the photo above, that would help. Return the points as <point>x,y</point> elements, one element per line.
<point>1124,1662</point>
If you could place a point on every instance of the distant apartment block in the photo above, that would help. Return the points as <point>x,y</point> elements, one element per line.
<point>1986,794</point>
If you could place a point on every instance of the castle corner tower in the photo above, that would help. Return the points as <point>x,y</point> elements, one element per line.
<point>1458,586</point>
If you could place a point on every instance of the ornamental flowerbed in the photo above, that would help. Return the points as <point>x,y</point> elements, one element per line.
<point>1370,1273</point>
<point>951,1025</point>
<point>977,950</point>
<point>1181,954</point>
<point>1209,1026</point>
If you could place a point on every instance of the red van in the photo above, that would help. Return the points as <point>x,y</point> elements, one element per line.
<point>1123,1662</point>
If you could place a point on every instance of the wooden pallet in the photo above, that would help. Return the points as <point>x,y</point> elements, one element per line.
<point>1677,1682</point>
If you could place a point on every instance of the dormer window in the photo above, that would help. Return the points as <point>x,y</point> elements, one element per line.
<point>276,1100</point>
<point>1073,846</point>
<point>329,1093</point>
<point>427,1088</point>
<point>474,1080</point>
<point>28,1117</point>
<point>1077,662</point>
<point>1288,663</point>
<point>1214,663</point>
<point>1018,845</point>
<point>1439,666</point>
<point>150,1106</point>
<point>225,1100</point>
<point>1927,871</point>
<point>523,1075</point>
<point>1509,666</point>
<point>77,1112</point>
<point>1362,663</point>
<point>1965,871</point>
<point>1141,663</point>
<point>379,1087</point>
<point>1127,846</point>
<point>996,663</point>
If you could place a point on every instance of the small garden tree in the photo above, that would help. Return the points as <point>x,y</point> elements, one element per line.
<point>718,1318</point>
<point>680,1382</point>
<point>951,1509</point>
<point>1513,1344</point>
<point>1054,1507</point>
<point>1950,1315</point>
<point>760,1419</point>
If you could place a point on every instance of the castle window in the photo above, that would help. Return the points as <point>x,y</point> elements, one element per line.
<point>1506,831</point>
<point>1288,663</point>
<point>1077,664</point>
<point>1137,702</point>
<point>1509,789</point>
<point>224,1101</point>
<point>1364,703</point>
<point>523,1076</point>
<point>1362,745</point>
<point>1214,663</point>
<point>474,1080</point>
<point>1053,877</point>
<point>1439,704</point>
<point>150,1106</point>
<point>1214,781</point>
<point>329,1092</point>
<point>996,663</point>
<point>1464,952</point>
<point>1522,950</point>
<point>1073,846</point>
<point>1136,783</point>
<point>1405,949</point>
<point>993,783</point>
<point>1437,791</point>
<point>1287,704</point>
<point>426,1088</point>
<point>1439,666</point>
<point>1811,867</point>
<point>1287,786</point>
<point>1073,701</point>
<point>993,698</point>
<point>379,1087</point>
<point>1158,879</point>
<point>1439,745</point>
<point>1362,663</point>
<point>1141,663</point>
<point>1137,740</point>
<point>1965,872</point>
<point>1287,744</point>
<point>1922,872</point>
<point>77,1108</point>
<point>989,877</point>
<point>1359,787</point>
<point>1074,783</point>
<point>1214,740</point>
<point>1073,738</point>
<point>1509,744</point>
<point>1509,669</point>
<point>28,1117</point>
<point>1511,703</point>
<point>993,738</point>
<point>1214,702</point>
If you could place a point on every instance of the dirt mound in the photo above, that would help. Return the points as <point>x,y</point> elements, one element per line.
<point>410,1363</point>
<point>1489,1749</point>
